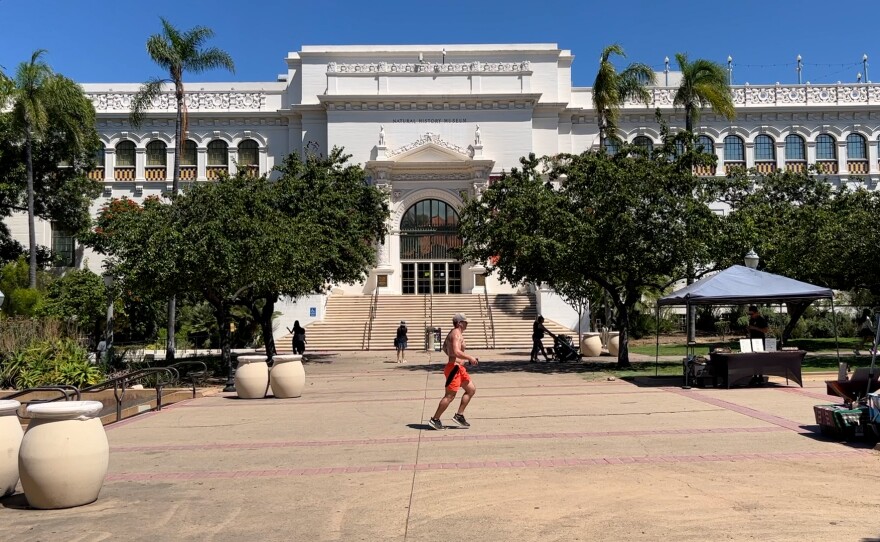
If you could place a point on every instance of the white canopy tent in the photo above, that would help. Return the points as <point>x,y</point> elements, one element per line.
<point>739,285</point>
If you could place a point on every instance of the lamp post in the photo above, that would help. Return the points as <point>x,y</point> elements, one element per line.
<point>752,259</point>
<point>799,68</point>
<point>109,281</point>
<point>666,69</point>
<point>729,70</point>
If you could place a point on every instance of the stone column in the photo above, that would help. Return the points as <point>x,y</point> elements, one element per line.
<point>140,159</point>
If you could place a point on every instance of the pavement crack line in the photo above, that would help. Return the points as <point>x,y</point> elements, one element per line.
<point>412,488</point>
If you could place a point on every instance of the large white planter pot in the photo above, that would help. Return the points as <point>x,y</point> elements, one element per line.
<point>64,454</point>
<point>591,345</point>
<point>10,442</point>
<point>287,377</point>
<point>614,343</point>
<point>252,377</point>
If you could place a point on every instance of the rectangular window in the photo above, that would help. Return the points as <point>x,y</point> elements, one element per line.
<point>156,155</point>
<point>794,149</point>
<point>454,278</point>
<point>63,246</point>
<point>408,276</point>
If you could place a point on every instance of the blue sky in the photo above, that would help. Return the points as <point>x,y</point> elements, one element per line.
<point>93,41</point>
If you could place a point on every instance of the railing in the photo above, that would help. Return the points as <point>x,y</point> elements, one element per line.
<point>827,166</point>
<point>155,173</point>
<point>489,310</point>
<point>188,173</point>
<point>65,390</point>
<point>97,174</point>
<point>123,173</point>
<point>857,166</point>
<point>765,167</point>
<point>213,173</point>
<point>194,376</point>
<point>374,302</point>
<point>730,167</point>
<point>119,385</point>
<point>704,170</point>
<point>796,167</point>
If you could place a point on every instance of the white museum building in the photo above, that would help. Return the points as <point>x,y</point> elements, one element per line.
<point>433,125</point>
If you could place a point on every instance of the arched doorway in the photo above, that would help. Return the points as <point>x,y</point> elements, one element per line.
<point>428,232</point>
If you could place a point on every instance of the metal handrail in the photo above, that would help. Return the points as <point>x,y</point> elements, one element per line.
<point>374,302</point>
<point>489,310</point>
<point>66,391</point>
<point>119,385</point>
<point>193,375</point>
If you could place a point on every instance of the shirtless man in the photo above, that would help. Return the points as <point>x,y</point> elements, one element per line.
<point>456,374</point>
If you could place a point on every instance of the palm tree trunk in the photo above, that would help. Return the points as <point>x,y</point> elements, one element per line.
<point>601,132</point>
<point>689,118</point>
<point>32,234</point>
<point>170,342</point>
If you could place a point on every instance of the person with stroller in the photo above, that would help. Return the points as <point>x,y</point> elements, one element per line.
<point>400,342</point>
<point>866,331</point>
<point>538,331</point>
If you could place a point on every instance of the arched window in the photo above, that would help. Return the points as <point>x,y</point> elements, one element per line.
<point>825,148</point>
<point>734,150</point>
<point>705,144</point>
<point>644,142</point>
<point>218,153</point>
<point>856,149</point>
<point>248,153</point>
<point>99,156</point>
<point>428,230</point>
<point>612,146</point>
<point>125,154</point>
<point>765,149</point>
<point>156,155</point>
<point>795,149</point>
<point>188,153</point>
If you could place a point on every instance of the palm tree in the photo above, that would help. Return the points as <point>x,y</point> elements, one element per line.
<point>42,100</point>
<point>176,52</point>
<point>612,89</point>
<point>703,83</point>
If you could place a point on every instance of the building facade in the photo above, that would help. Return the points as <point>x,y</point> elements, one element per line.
<point>433,125</point>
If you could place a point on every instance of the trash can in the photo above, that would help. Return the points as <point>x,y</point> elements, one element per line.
<point>438,339</point>
<point>433,339</point>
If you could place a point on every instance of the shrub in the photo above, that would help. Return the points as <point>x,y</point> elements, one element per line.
<point>47,363</point>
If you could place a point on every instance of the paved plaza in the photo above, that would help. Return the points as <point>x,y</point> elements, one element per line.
<point>554,454</point>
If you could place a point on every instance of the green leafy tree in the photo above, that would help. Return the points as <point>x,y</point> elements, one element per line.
<point>703,84</point>
<point>78,296</point>
<point>618,221</point>
<point>611,89</point>
<point>21,299</point>
<point>48,138</point>
<point>177,52</point>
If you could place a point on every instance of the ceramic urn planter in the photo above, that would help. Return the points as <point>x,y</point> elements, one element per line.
<point>10,442</point>
<point>64,454</point>
<point>614,343</point>
<point>591,345</point>
<point>287,377</point>
<point>252,377</point>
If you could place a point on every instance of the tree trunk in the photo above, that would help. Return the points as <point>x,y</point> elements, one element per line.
<point>691,317</point>
<point>795,311</point>
<point>171,343</point>
<point>32,233</point>
<point>222,315</point>
<point>689,118</point>
<point>602,134</point>
<point>623,339</point>
<point>266,324</point>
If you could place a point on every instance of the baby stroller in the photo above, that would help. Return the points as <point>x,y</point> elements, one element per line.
<point>564,349</point>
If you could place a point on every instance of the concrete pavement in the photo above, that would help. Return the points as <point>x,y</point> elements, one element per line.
<point>554,453</point>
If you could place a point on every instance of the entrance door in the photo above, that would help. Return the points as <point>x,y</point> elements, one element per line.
<point>431,278</point>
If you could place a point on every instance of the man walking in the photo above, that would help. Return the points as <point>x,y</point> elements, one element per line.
<point>456,374</point>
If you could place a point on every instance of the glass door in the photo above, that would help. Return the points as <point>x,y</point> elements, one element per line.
<point>408,276</point>
<point>439,277</point>
<point>423,278</point>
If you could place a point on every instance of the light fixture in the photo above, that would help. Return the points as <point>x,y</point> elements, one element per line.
<point>752,259</point>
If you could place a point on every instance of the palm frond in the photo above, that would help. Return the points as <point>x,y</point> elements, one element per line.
<point>162,53</point>
<point>210,59</point>
<point>143,99</point>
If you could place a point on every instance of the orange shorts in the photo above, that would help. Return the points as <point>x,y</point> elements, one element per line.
<point>456,375</point>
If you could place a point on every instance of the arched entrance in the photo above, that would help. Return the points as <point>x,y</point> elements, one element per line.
<point>428,232</point>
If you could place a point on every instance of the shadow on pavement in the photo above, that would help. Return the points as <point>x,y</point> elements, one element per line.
<point>16,501</point>
<point>426,427</point>
<point>494,367</point>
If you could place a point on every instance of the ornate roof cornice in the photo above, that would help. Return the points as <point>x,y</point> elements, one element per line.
<point>428,68</point>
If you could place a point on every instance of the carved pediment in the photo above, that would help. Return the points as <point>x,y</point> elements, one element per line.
<point>429,148</point>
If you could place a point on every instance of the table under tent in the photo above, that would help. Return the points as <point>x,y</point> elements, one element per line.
<point>739,285</point>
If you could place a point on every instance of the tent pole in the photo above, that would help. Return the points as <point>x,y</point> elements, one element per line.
<point>873,355</point>
<point>834,320</point>
<point>657,351</point>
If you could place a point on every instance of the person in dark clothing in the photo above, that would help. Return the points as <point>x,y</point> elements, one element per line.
<point>538,331</point>
<point>299,338</point>
<point>400,342</point>
<point>758,329</point>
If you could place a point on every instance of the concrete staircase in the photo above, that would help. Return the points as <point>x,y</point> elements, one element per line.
<point>495,321</point>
